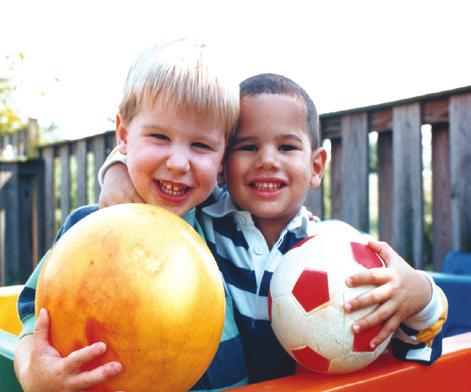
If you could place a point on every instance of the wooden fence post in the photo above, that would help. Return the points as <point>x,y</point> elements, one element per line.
<point>49,196</point>
<point>336,178</point>
<point>20,187</point>
<point>441,195</point>
<point>460,156</point>
<point>407,184</point>
<point>354,170</point>
<point>65,185</point>
<point>32,139</point>
<point>82,172</point>
<point>385,186</point>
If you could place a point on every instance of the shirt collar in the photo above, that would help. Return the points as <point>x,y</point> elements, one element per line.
<point>190,217</point>
<point>224,206</point>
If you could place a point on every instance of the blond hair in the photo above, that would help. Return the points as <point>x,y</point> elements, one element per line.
<point>183,74</point>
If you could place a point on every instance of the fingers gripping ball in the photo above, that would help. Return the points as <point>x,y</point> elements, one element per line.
<point>142,280</point>
<point>307,295</point>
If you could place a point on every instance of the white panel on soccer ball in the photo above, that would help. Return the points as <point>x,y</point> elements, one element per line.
<point>336,289</point>
<point>351,362</point>
<point>289,322</point>
<point>330,334</point>
<point>352,268</point>
<point>287,274</point>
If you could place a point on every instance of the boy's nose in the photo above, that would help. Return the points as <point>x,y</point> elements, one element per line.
<point>178,161</point>
<point>267,159</point>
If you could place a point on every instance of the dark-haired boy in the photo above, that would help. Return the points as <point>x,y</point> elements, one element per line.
<point>272,162</point>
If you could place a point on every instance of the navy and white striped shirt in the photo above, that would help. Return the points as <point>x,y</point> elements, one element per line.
<point>248,265</point>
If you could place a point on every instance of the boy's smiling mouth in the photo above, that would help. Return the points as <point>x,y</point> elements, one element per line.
<point>267,185</point>
<point>172,189</point>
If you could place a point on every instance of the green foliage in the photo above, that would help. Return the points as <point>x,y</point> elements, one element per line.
<point>10,121</point>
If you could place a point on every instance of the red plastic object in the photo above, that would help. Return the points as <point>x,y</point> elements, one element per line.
<point>451,372</point>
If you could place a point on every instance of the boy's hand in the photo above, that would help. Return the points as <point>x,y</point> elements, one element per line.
<point>402,292</point>
<point>43,368</point>
<point>117,187</point>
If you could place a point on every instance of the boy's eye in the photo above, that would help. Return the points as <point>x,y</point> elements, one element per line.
<point>201,145</point>
<point>160,136</point>
<point>287,147</point>
<point>246,147</point>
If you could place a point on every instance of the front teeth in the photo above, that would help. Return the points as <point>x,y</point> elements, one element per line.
<point>267,186</point>
<point>172,189</point>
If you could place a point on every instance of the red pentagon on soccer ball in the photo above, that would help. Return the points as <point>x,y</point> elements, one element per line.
<point>364,255</point>
<point>311,360</point>
<point>311,289</point>
<point>361,340</point>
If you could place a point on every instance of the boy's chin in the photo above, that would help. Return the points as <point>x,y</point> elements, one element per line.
<point>176,209</point>
<point>276,213</point>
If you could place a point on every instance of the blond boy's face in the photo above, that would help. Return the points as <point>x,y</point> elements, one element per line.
<point>271,165</point>
<point>173,157</point>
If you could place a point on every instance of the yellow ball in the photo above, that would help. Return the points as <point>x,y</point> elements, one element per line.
<point>142,280</point>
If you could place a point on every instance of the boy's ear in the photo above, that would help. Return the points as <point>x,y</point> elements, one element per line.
<point>318,160</point>
<point>121,135</point>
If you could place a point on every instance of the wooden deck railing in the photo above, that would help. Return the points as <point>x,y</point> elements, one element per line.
<point>348,192</point>
<point>400,171</point>
<point>70,178</point>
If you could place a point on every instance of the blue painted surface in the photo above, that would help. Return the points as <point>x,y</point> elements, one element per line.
<point>457,288</point>
<point>457,263</point>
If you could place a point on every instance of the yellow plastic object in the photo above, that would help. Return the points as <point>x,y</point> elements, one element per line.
<point>9,320</point>
<point>142,280</point>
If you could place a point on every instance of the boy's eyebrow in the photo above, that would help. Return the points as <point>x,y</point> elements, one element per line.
<point>243,139</point>
<point>153,126</point>
<point>290,136</point>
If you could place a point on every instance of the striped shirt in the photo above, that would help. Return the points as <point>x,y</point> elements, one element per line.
<point>248,265</point>
<point>228,368</point>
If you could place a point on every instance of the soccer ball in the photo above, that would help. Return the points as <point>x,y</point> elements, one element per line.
<point>307,295</point>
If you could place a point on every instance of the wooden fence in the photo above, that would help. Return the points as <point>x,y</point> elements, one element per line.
<point>22,143</point>
<point>68,185</point>
<point>70,167</point>
<point>400,171</point>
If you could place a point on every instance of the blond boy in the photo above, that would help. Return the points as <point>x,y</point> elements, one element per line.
<point>175,118</point>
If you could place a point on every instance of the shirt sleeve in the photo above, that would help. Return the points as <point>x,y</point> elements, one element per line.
<point>26,299</point>
<point>114,157</point>
<point>419,338</point>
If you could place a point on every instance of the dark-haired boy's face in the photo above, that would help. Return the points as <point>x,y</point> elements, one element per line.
<point>269,166</point>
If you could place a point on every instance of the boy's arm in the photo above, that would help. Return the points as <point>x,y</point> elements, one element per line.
<point>407,298</point>
<point>116,185</point>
